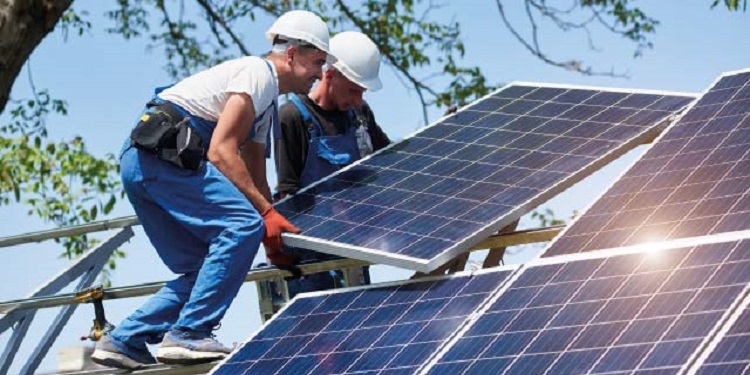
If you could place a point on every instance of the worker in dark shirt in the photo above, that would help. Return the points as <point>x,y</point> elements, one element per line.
<point>330,117</point>
<point>329,129</point>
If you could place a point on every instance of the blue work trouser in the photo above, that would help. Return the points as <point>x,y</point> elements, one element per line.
<point>203,228</point>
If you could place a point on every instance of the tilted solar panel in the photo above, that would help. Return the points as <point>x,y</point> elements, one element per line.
<point>694,181</point>
<point>730,354</point>
<point>647,312</point>
<point>424,200</point>
<point>386,329</point>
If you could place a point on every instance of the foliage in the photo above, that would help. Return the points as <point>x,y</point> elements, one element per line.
<point>417,48</point>
<point>62,183</point>
<point>732,5</point>
<point>75,22</point>
<point>59,182</point>
<point>546,218</point>
<point>618,17</point>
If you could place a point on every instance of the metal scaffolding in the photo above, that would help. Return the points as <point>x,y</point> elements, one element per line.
<point>18,314</point>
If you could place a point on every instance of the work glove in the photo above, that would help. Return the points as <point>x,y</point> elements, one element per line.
<point>275,224</point>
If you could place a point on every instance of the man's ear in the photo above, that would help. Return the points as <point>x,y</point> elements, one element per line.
<point>329,73</point>
<point>290,51</point>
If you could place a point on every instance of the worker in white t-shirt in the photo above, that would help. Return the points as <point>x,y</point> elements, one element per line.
<point>194,169</point>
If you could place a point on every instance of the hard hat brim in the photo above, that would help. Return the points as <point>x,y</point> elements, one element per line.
<point>312,41</point>
<point>372,84</point>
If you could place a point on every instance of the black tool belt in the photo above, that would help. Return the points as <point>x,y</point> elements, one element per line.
<point>164,132</point>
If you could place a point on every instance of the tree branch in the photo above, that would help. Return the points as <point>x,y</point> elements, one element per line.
<point>417,85</point>
<point>218,19</point>
<point>534,48</point>
<point>23,25</point>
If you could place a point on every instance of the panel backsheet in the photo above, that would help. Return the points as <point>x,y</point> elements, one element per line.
<point>387,330</point>
<point>425,199</point>
<point>693,182</point>
<point>639,313</point>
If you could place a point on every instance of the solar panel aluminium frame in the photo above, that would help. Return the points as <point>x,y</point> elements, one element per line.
<point>727,323</point>
<point>417,264</point>
<point>701,353</point>
<point>604,192</point>
<point>512,268</point>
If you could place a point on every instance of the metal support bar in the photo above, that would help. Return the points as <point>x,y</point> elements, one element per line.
<point>203,368</point>
<point>24,322</point>
<point>496,254</point>
<point>61,320</point>
<point>257,274</point>
<point>520,238</point>
<point>93,260</point>
<point>454,265</point>
<point>77,230</point>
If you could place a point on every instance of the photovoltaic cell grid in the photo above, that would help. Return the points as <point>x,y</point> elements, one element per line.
<point>694,181</point>
<point>384,330</point>
<point>639,313</point>
<point>431,196</point>
<point>732,354</point>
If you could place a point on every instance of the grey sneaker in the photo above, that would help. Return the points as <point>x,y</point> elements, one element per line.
<point>112,353</point>
<point>190,347</point>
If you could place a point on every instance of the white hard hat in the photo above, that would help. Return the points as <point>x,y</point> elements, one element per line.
<point>357,58</point>
<point>303,25</point>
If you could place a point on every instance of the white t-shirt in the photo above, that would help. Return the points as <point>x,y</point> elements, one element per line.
<point>205,94</point>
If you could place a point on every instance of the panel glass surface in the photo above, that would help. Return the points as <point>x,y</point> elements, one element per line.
<point>382,330</point>
<point>693,182</point>
<point>639,313</point>
<point>732,354</point>
<point>429,193</point>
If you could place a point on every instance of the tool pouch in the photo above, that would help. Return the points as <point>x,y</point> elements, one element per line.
<point>174,141</point>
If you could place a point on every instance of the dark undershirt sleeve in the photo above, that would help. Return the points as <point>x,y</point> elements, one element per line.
<point>292,149</point>
<point>377,135</point>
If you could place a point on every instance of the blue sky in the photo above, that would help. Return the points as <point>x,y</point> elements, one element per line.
<point>106,81</point>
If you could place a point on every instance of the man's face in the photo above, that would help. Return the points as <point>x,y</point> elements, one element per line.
<point>307,67</point>
<point>346,94</point>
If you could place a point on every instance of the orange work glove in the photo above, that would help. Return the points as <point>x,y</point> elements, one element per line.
<point>275,224</point>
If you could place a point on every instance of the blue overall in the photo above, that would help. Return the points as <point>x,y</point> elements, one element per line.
<point>326,154</point>
<point>202,228</point>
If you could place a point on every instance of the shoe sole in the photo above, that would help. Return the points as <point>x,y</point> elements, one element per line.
<point>110,359</point>
<point>184,356</point>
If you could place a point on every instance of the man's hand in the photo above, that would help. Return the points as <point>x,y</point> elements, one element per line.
<point>275,225</point>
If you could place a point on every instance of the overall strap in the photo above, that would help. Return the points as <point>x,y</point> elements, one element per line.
<point>275,104</point>
<point>307,117</point>
<point>158,90</point>
<point>275,126</point>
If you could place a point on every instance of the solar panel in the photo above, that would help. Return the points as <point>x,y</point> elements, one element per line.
<point>387,329</point>
<point>647,312</point>
<point>422,201</point>
<point>731,353</point>
<point>694,181</point>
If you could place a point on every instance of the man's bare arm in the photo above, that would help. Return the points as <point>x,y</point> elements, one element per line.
<point>254,155</point>
<point>231,131</point>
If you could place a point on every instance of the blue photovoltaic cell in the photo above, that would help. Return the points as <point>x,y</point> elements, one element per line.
<point>383,330</point>
<point>422,201</point>
<point>732,354</point>
<point>637,313</point>
<point>693,182</point>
